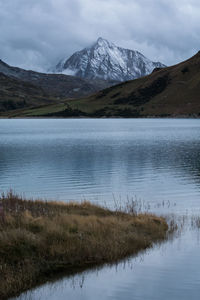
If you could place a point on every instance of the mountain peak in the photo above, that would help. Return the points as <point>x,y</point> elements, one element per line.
<point>104,60</point>
<point>102,42</point>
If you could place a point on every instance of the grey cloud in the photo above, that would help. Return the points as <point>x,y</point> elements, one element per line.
<point>36,33</point>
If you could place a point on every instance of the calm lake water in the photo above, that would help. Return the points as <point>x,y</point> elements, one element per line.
<point>157,161</point>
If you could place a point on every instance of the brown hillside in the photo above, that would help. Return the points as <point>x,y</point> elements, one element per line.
<point>16,94</point>
<point>171,91</point>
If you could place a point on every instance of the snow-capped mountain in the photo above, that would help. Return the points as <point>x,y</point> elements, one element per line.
<point>105,60</point>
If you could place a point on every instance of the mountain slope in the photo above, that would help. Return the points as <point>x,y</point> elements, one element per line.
<point>17,94</point>
<point>56,85</point>
<point>172,91</point>
<point>106,61</point>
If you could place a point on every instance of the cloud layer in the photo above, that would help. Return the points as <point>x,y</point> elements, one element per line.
<point>37,33</point>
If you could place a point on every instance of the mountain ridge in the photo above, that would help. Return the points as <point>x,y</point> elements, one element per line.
<point>55,85</point>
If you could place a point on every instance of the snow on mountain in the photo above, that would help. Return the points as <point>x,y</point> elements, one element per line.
<point>105,60</point>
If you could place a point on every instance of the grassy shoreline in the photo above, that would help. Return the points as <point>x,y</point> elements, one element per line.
<point>39,239</point>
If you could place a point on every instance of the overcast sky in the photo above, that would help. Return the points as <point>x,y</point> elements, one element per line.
<point>35,34</point>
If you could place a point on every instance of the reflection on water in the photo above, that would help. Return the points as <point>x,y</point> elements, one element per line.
<point>167,271</point>
<point>156,161</point>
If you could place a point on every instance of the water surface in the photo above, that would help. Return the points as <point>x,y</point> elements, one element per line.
<point>157,161</point>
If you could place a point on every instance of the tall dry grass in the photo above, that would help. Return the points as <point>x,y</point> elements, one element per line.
<point>38,239</point>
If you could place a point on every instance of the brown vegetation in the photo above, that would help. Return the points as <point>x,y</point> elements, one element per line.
<point>38,239</point>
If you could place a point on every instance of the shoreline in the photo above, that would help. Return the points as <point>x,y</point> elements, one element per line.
<point>96,118</point>
<point>40,240</point>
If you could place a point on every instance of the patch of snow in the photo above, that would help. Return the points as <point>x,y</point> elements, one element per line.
<point>69,72</point>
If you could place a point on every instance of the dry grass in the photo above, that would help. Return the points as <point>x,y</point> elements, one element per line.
<point>38,239</point>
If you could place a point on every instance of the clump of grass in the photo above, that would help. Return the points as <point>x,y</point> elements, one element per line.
<point>38,239</point>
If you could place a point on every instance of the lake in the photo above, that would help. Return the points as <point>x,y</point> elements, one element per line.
<point>156,161</point>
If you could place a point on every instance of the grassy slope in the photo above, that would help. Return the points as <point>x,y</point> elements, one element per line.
<point>170,91</point>
<point>38,239</point>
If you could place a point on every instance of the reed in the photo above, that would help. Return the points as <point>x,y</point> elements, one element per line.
<point>39,239</point>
